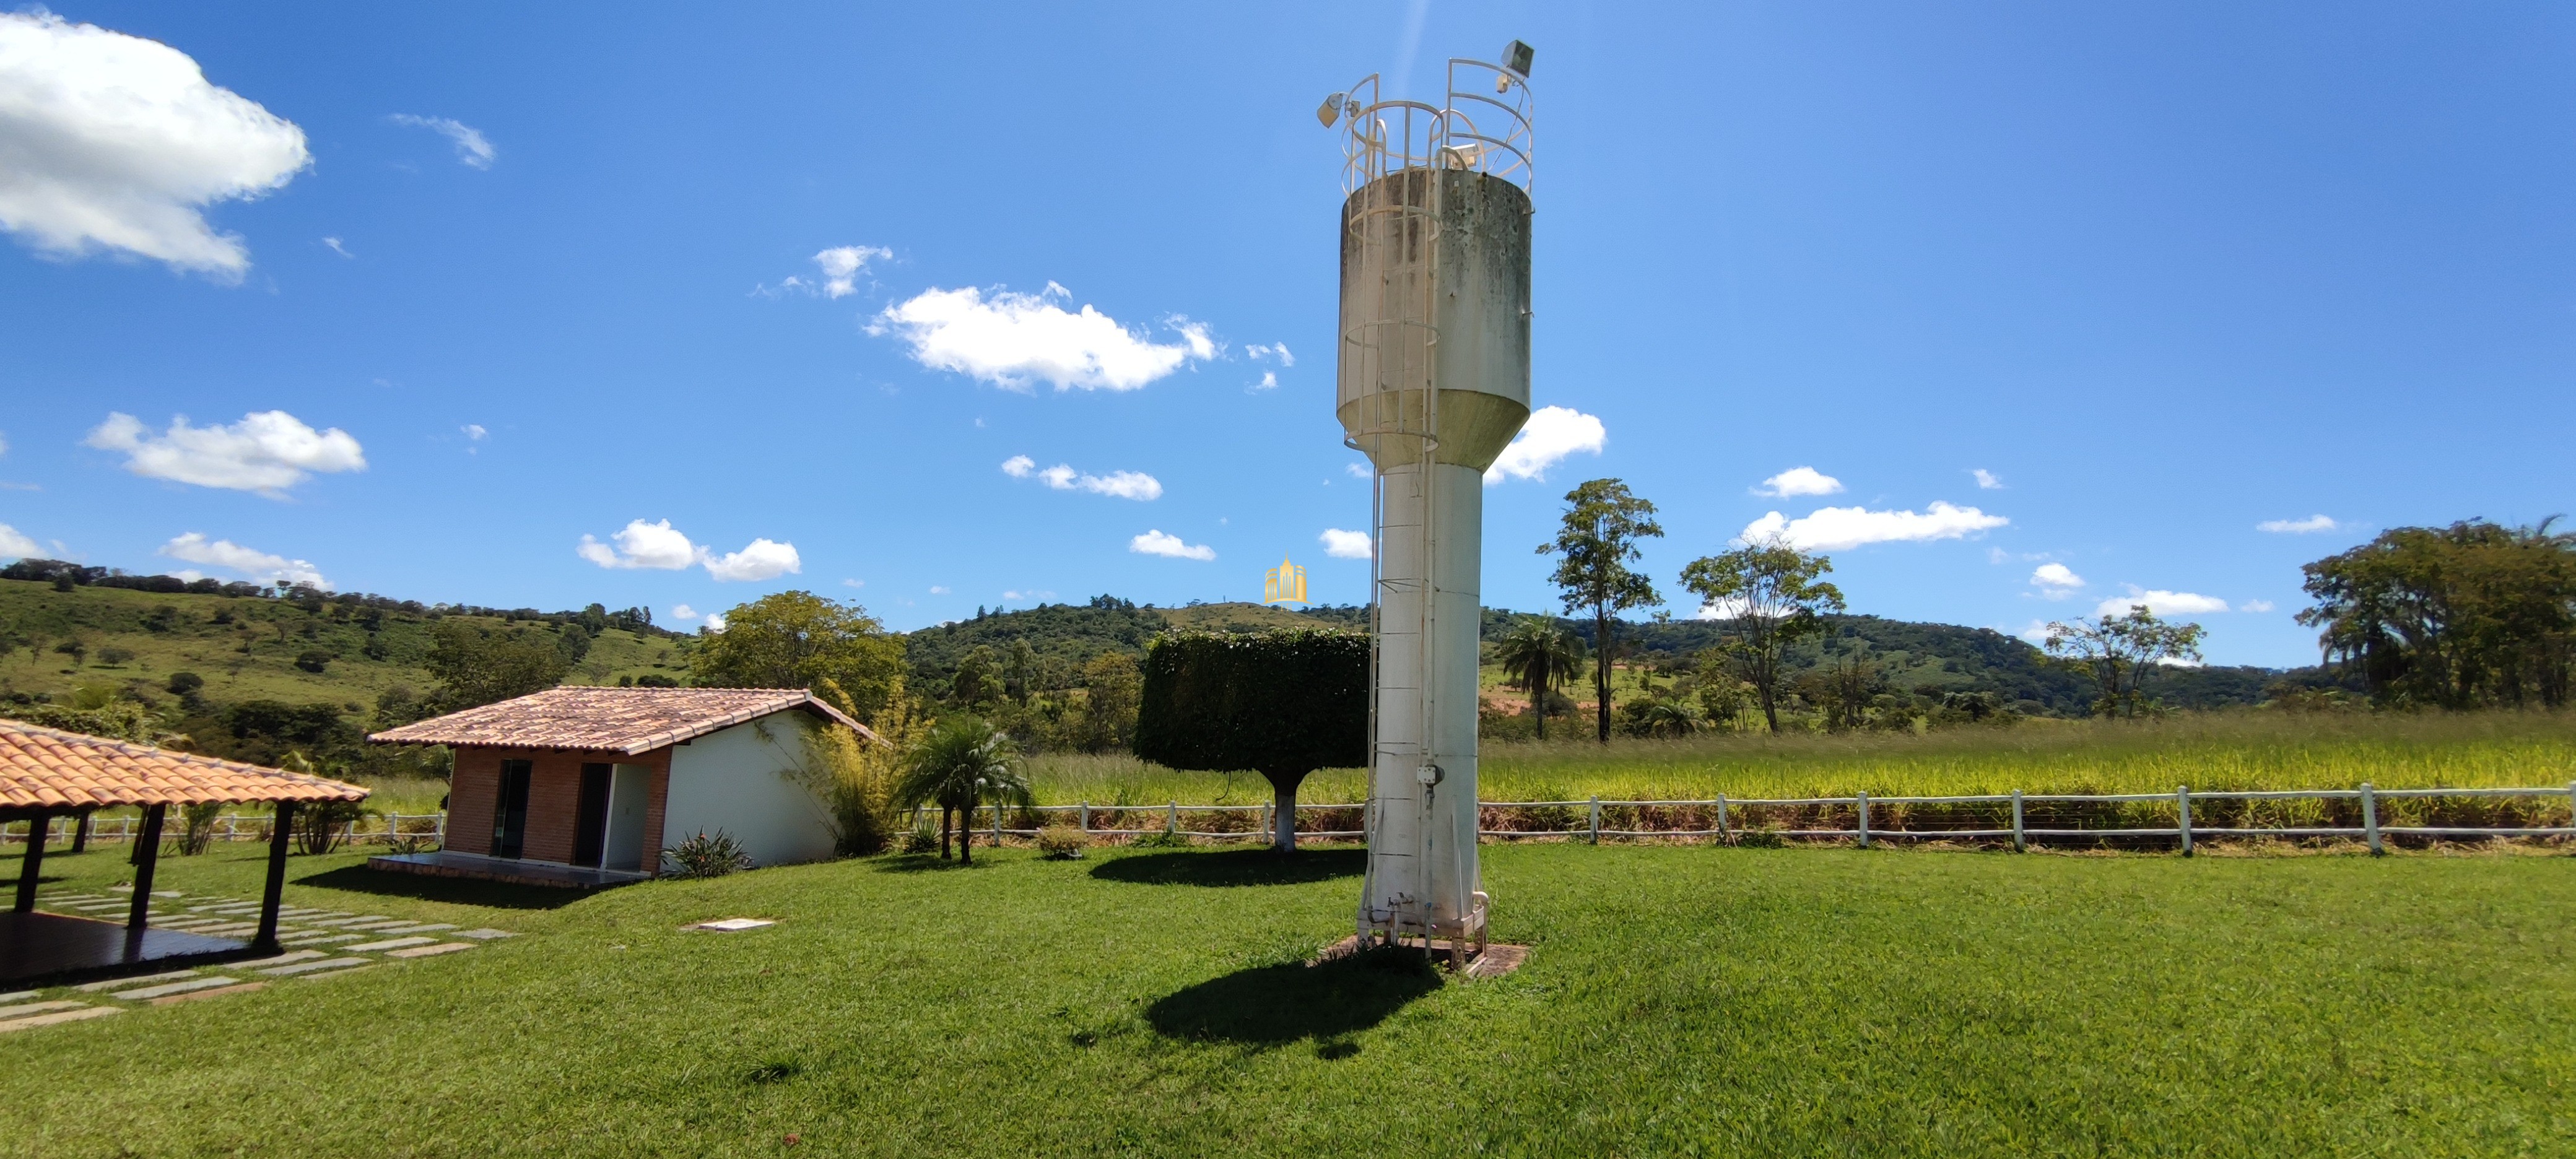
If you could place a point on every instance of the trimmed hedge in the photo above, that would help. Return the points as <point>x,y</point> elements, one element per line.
<point>1282,703</point>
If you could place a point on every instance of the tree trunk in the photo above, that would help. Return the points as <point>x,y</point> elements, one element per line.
<point>1283,808</point>
<point>1538,701</point>
<point>966,835</point>
<point>1602,654</point>
<point>1770,710</point>
<point>943,832</point>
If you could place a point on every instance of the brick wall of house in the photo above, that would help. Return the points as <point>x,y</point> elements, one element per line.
<point>656,796</point>
<point>472,790</point>
<point>554,800</point>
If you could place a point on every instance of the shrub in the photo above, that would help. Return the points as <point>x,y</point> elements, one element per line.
<point>183,683</point>
<point>1164,840</point>
<point>922,839</point>
<point>313,660</point>
<point>197,827</point>
<point>1759,839</point>
<point>115,657</point>
<point>707,856</point>
<point>1062,842</point>
<point>318,824</point>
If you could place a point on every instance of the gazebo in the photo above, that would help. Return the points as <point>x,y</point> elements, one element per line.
<point>47,773</point>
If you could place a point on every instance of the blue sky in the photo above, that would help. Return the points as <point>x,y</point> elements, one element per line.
<point>2164,273</point>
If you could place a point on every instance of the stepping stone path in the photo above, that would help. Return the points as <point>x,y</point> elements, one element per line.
<point>311,938</point>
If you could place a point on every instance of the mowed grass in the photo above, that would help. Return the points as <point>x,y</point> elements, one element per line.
<point>1679,1001</point>
<point>2226,750</point>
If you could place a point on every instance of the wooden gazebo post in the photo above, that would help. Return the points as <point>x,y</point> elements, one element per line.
<point>266,940</point>
<point>32,865</point>
<point>147,857</point>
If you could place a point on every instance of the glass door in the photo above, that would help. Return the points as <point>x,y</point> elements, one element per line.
<point>510,813</point>
<point>590,824</point>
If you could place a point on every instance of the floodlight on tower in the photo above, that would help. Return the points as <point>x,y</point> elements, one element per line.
<point>1433,382</point>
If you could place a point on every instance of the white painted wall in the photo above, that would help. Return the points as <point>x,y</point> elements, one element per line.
<point>744,780</point>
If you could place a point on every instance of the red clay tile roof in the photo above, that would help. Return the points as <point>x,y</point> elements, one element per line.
<point>43,768</point>
<point>614,720</point>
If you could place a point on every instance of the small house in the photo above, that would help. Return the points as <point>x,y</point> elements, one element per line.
<point>587,786</point>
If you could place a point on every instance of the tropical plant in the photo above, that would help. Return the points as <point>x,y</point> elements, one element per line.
<point>2120,651</point>
<point>855,776</point>
<point>705,855</point>
<point>1280,703</point>
<point>1062,842</point>
<point>1539,654</point>
<point>1771,593</point>
<point>1598,539</point>
<point>958,765</point>
<point>197,827</point>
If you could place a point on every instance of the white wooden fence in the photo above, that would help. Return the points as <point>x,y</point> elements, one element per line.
<point>386,828</point>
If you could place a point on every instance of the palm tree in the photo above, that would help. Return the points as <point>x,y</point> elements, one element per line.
<point>963,763</point>
<point>1536,654</point>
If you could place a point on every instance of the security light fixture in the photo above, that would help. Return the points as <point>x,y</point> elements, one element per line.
<point>1331,110</point>
<point>1516,57</point>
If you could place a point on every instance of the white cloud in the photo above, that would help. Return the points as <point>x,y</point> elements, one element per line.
<point>224,553</point>
<point>759,560</point>
<point>2255,606</point>
<point>4,444</point>
<point>643,545</point>
<point>683,612</point>
<point>474,431</point>
<point>15,545</point>
<point>471,147</point>
<point>114,142</point>
<point>1730,608</point>
<point>938,590</point>
<point>1157,543</point>
<point>337,248</point>
<point>1836,528</point>
<point>1027,595</point>
<point>1341,544</point>
<point>1799,481</point>
<point>1269,381</point>
<point>2055,580</point>
<point>1358,471</point>
<point>854,583</point>
<point>715,621</point>
<point>1135,485</point>
<point>842,266</point>
<point>1986,480</point>
<point>1278,350</point>
<point>2161,602</point>
<point>267,451</point>
<point>1553,433</point>
<point>2313,523</point>
<point>1016,341</point>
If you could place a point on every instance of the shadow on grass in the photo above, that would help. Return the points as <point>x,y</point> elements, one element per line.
<point>455,890</point>
<point>1274,1005</point>
<point>925,863</point>
<point>1234,867</point>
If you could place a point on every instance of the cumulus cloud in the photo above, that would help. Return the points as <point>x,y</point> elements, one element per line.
<point>1986,480</point>
<point>661,547</point>
<point>337,248</point>
<point>1157,543</point>
<point>15,545</point>
<point>1278,350</point>
<point>2309,525</point>
<point>1836,528</point>
<point>1799,481</point>
<point>1135,485</point>
<point>938,590</point>
<point>114,142</point>
<point>194,547</point>
<point>842,265</point>
<point>471,148</point>
<point>1358,471</point>
<point>2161,602</point>
<point>642,545</point>
<point>2055,580</point>
<point>1015,341</point>
<point>1269,381</point>
<point>759,560</point>
<point>474,432</point>
<point>1553,432</point>
<point>266,452</point>
<point>1341,544</point>
<point>2255,606</point>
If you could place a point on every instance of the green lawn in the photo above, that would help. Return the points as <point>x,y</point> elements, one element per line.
<point>1680,1000</point>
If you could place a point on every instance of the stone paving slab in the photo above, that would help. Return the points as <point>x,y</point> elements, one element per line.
<point>335,973</point>
<point>482,935</point>
<point>426,951</point>
<point>280,960</point>
<point>226,931</point>
<point>414,928</point>
<point>379,925</point>
<point>218,992</point>
<point>309,967</point>
<point>62,1016</point>
<point>17,996</point>
<point>336,923</point>
<point>174,988</point>
<point>8,1012</point>
<point>301,940</point>
<point>388,944</point>
<point>120,983</point>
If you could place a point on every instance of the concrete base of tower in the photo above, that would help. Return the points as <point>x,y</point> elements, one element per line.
<point>1465,958</point>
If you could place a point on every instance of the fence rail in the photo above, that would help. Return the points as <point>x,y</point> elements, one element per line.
<point>387,828</point>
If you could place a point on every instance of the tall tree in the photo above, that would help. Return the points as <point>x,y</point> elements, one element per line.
<point>476,666</point>
<point>1282,703</point>
<point>1598,540</point>
<point>963,763</point>
<point>1538,654</point>
<point>2455,617</point>
<point>2119,652</point>
<point>1775,596</point>
<point>801,640</point>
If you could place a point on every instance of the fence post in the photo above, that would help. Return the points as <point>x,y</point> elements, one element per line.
<point>1863,801</point>
<point>2370,816</point>
<point>997,824</point>
<point>1721,816</point>
<point>1172,819</point>
<point>2019,845</point>
<point>2182,801</point>
<point>1086,816</point>
<point>1596,819</point>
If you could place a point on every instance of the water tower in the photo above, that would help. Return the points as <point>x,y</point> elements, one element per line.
<point>1434,381</point>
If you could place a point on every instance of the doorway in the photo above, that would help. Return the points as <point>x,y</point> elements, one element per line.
<point>590,826</point>
<point>626,800</point>
<point>510,812</point>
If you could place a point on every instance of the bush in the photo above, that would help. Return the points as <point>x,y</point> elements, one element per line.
<point>1163,840</point>
<point>313,660</point>
<point>1062,842</point>
<point>183,683</point>
<point>1759,839</point>
<point>197,827</point>
<point>318,824</point>
<point>923,839</point>
<point>115,657</point>
<point>707,856</point>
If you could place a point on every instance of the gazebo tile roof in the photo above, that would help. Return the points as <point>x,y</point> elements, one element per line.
<point>610,720</point>
<point>44,768</point>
